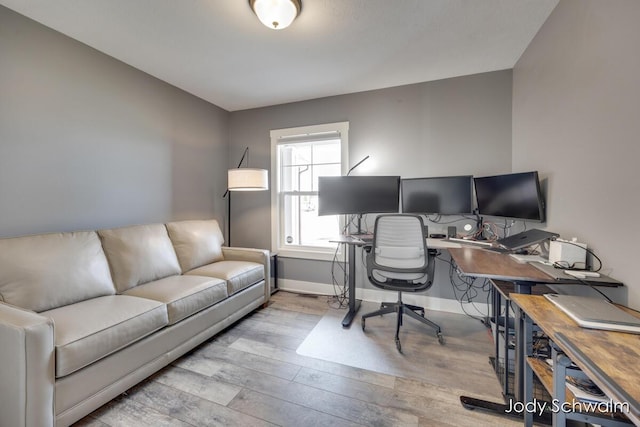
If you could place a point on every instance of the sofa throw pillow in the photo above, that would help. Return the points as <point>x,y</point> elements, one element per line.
<point>46,271</point>
<point>197,242</point>
<point>139,254</point>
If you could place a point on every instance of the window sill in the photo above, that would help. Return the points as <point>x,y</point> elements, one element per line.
<point>308,254</point>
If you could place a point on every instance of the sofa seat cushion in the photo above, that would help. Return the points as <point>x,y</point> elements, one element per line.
<point>197,242</point>
<point>89,330</point>
<point>183,295</point>
<point>237,274</point>
<point>139,254</point>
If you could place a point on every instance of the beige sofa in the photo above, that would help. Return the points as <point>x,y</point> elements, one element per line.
<point>86,315</point>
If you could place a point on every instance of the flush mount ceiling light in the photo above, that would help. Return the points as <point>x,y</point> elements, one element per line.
<point>276,14</point>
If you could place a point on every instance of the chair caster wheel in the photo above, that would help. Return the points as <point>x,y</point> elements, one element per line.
<point>440,338</point>
<point>398,346</point>
<point>362,323</point>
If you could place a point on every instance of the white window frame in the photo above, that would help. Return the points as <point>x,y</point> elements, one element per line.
<point>277,136</point>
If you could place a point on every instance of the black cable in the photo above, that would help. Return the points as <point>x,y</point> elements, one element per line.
<point>467,288</point>
<point>572,266</point>
<point>584,282</point>
<point>599,291</point>
<point>339,290</point>
<point>435,220</point>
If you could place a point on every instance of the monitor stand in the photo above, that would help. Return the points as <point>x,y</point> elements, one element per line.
<point>358,231</point>
<point>479,226</point>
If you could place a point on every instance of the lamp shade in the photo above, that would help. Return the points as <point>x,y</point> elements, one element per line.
<point>247,179</point>
<point>276,14</point>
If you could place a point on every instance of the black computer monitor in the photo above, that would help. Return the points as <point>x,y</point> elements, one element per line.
<point>515,195</point>
<point>445,195</point>
<point>345,195</point>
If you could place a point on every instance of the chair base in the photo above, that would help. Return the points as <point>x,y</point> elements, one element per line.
<point>401,309</point>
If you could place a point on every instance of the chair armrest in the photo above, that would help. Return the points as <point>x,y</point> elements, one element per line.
<point>27,376</point>
<point>261,256</point>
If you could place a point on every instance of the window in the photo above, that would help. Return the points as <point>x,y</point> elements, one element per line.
<point>299,156</point>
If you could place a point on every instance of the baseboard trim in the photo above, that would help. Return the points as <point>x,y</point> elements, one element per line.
<point>378,295</point>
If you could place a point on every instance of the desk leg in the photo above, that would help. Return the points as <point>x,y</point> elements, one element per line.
<point>523,343</point>
<point>505,377</point>
<point>496,305</point>
<point>527,373</point>
<point>354,305</point>
<point>560,363</point>
<point>496,309</point>
<point>472,403</point>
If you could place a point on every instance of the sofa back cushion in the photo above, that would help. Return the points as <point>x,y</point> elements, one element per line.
<point>139,254</point>
<point>47,271</point>
<point>196,242</point>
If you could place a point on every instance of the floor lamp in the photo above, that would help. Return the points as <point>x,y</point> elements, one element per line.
<point>243,179</point>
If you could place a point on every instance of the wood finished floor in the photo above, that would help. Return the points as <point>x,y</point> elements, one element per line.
<point>251,375</point>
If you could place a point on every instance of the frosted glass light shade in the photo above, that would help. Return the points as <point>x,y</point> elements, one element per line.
<point>246,179</point>
<point>276,14</point>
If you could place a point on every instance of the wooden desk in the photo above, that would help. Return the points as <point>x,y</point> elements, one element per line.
<point>502,292</point>
<point>609,359</point>
<point>477,262</point>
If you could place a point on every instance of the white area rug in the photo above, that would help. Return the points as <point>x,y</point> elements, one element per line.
<point>465,352</point>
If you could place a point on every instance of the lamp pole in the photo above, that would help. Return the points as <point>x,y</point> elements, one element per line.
<point>243,179</point>
<point>359,231</point>
<point>227,194</point>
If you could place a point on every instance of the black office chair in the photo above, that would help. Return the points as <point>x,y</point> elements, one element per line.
<point>400,261</point>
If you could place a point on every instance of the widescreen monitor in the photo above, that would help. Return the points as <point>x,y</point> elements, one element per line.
<point>515,195</point>
<point>445,195</point>
<point>346,195</point>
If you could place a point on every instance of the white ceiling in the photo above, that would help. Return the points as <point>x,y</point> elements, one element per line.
<point>219,51</point>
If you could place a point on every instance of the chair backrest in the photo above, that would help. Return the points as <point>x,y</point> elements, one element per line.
<point>399,259</point>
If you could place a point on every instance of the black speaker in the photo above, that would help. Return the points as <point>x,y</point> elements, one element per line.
<point>451,231</point>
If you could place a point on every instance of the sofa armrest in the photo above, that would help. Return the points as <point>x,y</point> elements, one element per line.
<point>260,256</point>
<point>27,378</point>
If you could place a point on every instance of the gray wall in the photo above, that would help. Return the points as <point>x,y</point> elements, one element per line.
<point>576,100</point>
<point>447,127</point>
<point>89,142</point>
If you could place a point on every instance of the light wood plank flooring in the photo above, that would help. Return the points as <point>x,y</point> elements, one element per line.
<point>251,375</point>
